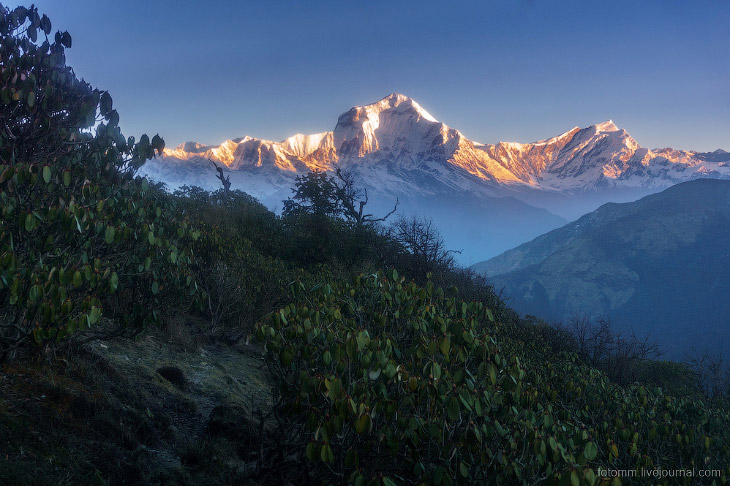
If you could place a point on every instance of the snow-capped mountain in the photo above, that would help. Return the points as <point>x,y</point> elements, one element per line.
<point>396,149</point>
<point>398,129</point>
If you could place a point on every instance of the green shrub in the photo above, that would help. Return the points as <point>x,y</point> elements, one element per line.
<point>385,382</point>
<point>79,236</point>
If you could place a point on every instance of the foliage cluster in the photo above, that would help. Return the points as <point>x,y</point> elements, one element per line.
<point>246,256</point>
<point>236,264</point>
<point>79,236</point>
<point>386,382</point>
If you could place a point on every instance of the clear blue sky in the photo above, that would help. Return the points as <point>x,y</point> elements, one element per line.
<point>512,70</point>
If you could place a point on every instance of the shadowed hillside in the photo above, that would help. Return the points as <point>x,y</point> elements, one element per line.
<point>659,266</point>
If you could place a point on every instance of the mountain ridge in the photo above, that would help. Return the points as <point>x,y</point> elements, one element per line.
<point>661,262</point>
<point>398,128</point>
<point>397,150</point>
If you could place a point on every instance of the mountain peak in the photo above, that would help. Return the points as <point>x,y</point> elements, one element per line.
<point>396,123</point>
<point>191,147</point>
<point>607,126</point>
<point>395,100</point>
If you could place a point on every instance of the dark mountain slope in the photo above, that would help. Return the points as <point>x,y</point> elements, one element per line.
<point>659,266</point>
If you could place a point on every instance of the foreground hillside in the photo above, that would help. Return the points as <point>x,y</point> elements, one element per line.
<point>659,266</point>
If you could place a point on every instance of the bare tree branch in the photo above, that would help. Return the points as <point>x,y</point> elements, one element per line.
<point>349,195</point>
<point>226,181</point>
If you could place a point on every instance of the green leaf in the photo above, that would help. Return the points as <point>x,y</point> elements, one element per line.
<point>362,424</point>
<point>287,355</point>
<point>31,99</point>
<point>453,409</point>
<point>574,479</point>
<point>464,470</point>
<point>155,288</point>
<point>105,103</point>
<point>468,338</point>
<point>158,144</point>
<point>464,398</point>
<point>35,293</point>
<point>77,279</point>
<point>113,118</point>
<point>94,315</point>
<point>66,177</point>
<point>590,477</point>
<point>326,453</point>
<point>436,370</point>
<point>113,282</point>
<point>46,174</point>
<point>312,451</point>
<point>45,24</point>
<point>109,235</point>
<point>7,174</point>
<point>388,482</point>
<point>492,373</point>
<point>590,451</point>
<point>445,345</point>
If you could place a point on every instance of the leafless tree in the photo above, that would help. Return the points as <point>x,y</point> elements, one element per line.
<point>354,200</point>
<point>225,296</point>
<point>712,374</point>
<point>612,352</point>
<point>226,181</point>
<point>420,238</point>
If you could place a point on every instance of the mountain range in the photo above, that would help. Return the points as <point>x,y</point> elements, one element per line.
<point>484,198</point>
<point>659,266</point>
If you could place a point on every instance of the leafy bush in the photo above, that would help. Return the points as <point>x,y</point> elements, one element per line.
<point>385,382</point>
<point>79,236</point>
<point>237,264</point>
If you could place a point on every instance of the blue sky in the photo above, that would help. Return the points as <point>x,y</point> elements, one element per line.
<point>512,70</point>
